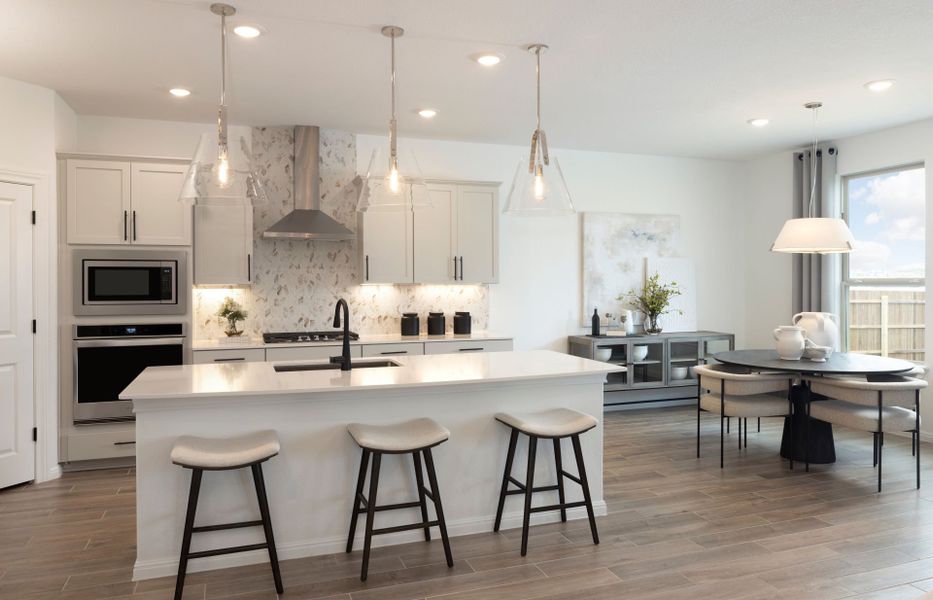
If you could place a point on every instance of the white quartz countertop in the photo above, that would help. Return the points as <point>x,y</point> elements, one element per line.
<point>378,338</point>
<point>261,379</point>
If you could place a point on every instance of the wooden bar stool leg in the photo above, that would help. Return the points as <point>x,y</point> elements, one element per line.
<point>419,480</point>
<point>355,513</point>
<point>585,484</point>
<point>438,508</point>
<point>260,483</point>
<point>560,480</point>
<point>189,526</point>
<point>370,512</point>
<point>529,485</point>
<point>513,441</point>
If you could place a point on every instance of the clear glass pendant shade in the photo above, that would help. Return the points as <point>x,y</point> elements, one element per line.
<point>227,176</point>
<point>392,184</point>
<point>540,191</point>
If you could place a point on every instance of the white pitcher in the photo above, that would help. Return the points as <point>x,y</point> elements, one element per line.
<point>819,327</point>
<point>790,342</point>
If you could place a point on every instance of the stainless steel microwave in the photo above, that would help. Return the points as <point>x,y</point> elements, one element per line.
<point>130,282</point>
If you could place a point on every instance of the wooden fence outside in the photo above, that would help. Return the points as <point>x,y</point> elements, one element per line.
<point>888,321</point>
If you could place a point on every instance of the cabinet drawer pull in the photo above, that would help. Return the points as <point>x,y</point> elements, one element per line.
<point>123,443</point>
<point>394,352</point>
<point>229,359</point>
<point>480,349</point>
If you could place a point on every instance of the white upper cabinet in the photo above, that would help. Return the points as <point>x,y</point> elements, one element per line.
<point>122,202</point>
<point>386,246</point>
<point>434,247</point>
<point>223,244</point>
<point>157,217</point>
<point>97,194</point>
<point>477,239</point>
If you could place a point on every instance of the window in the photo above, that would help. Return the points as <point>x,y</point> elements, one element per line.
<point>883,278</point>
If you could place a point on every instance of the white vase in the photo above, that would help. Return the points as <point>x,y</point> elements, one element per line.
<point>629,322</point>
<point>790,342</point>
<point>819,327</point>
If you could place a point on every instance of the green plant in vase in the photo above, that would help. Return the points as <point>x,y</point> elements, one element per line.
<point>653,300</point>
<point>232,312</point>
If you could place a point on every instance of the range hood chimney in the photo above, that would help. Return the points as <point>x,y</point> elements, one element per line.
<point>307,221</point>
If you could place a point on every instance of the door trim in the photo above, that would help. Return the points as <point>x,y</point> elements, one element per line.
<point>45,303</point>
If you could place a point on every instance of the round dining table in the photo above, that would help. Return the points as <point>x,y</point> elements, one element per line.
<point>822,449</point>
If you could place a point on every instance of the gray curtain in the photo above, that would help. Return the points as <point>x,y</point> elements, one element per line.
<point>816,278</point>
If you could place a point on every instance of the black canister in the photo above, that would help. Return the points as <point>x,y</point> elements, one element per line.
<point>463,323</point>
<point>411,324</point>
<point>436,323</point>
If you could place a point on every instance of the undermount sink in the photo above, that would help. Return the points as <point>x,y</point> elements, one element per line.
<point>367,364</point>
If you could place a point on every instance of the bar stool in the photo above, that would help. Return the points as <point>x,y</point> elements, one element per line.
<point>555,424</point>
<point>415,437</point>
<point>224,454</point>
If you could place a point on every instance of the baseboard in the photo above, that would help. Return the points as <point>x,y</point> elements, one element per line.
<point>53,472</point>
<point>169,566</point>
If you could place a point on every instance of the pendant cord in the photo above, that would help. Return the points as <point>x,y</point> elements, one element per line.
<point>813,160</point>
<point>538,75</point>
<point>392,122</point>
<point>222,111</point>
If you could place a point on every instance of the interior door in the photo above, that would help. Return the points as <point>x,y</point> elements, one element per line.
<point>157,217</point>
<point>17,450</point>
<point>433,236</point>
<point>476,233</point>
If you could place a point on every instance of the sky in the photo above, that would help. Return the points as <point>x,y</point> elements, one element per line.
<point>887,216</point>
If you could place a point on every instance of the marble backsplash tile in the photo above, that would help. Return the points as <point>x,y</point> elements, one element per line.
<point>296,283</point>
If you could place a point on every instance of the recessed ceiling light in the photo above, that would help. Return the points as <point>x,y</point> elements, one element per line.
<point>759,122</point>
<point>427,113</point>
<point>488,59</point>
<point>247,31</point>
<point>179,92</point>
<point>881,85</point>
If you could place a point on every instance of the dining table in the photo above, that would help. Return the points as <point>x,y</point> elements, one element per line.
<point>794,444</point>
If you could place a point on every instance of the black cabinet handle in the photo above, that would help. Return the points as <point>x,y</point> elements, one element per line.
<point>134,225</point>
<point>229,359</point>
<point>123,443</point>
<point>124,225</point>
<point>461,268</point>
<point>455,268</point>
<point>394,352</point>
<point>249,267</point>
<point>367,267</point>
<point>471,349</point>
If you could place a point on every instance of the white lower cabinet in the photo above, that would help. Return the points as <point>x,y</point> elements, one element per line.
<point>225,356</point>
<point>223,244</point>
<point>96,442</point>
<point>457,346</point>
<point>309,353</point>
<point>393,349</point>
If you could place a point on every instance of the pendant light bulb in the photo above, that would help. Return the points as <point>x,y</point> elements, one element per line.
<point>394,180</point>
<point>222,171</point>
<point>539,187</point>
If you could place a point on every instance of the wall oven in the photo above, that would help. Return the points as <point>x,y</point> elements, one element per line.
<point>129,282</point>
<point>108,357</point>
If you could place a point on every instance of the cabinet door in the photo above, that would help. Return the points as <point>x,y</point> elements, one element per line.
<point>477,238</point>
<point>433,236</point>
<point>386,255</point>
<point>467,346</point>
<point>97,198</point>
<point>309,353</point>
<point>156,216</point>
<point>392,349</point>
<point>223,244</point>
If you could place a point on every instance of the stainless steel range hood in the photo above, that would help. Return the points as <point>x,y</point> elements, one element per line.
<point>307,221</point>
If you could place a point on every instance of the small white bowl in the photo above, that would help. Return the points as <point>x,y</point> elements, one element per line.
<point>817,353</point>
<point>679,372</point>
<point>603,354</point>
<point>639,352</point>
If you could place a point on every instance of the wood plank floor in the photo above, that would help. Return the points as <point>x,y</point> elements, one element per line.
<point>678,528</point>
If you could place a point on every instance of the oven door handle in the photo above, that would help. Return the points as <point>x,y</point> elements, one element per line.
<point>142,341</point>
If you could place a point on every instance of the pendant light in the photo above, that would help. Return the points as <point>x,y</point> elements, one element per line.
<point>393,179</point>
<point>810,234</point>
<point>219,170</point>
<point>539,186</point>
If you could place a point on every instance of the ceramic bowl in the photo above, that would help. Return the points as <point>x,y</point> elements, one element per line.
<point>679,372</point>
<point>603,354</point>
<point>639,352</point>
<point>817,353</point>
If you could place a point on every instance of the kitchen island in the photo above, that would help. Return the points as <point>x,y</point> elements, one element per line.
<point>311,482</point>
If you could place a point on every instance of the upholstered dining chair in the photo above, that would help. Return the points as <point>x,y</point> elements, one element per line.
<point>884,404</point>
<point>736,392</point>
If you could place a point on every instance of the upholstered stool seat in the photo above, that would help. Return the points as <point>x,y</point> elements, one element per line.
<point>214,454</point>
<point>225,453</point>
<point>399,437</point>
<point>554,424</point>
<point>415,437</point>
<point>557,422</point>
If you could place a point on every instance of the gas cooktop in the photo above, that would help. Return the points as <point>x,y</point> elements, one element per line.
<point>306,336</point>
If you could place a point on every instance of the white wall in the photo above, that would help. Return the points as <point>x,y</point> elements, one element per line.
<point>145,137</point>
<point>538,299</point>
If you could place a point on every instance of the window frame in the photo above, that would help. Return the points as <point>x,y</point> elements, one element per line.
<point>847,282</point>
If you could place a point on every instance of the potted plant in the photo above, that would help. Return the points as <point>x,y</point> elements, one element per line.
<point>231,311</point>
<point>653,300</point>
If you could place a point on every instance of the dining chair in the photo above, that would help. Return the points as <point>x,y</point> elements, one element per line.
<point>884,404</point>
<point>736,392</point>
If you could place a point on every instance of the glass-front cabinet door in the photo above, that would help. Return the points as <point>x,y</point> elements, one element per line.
<point>616,353</point>
<point>713,345</point>
<point>685,355</point>
<point>646,362</point>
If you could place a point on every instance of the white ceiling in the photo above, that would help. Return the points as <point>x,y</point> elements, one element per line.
<point>678,77</point>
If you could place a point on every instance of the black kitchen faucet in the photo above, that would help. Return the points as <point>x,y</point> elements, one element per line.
<point>344,359</point>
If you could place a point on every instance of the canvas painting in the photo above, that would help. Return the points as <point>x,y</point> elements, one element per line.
<point>615,246</point>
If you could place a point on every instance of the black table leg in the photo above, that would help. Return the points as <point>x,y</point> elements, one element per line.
<point>822,449</point>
